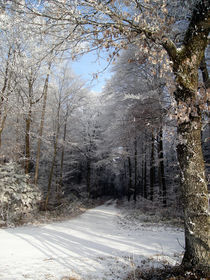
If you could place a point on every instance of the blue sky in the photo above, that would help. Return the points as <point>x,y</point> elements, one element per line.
<point>89,64</point>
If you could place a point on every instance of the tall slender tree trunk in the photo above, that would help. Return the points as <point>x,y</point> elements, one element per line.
<point>63,150</point>
<point>19,149</point>
<point>125,179</point>
<point>45,89</point>
<point>54,156</point>
<point>135,169</point>
<point>130,179</point>
<point>88,176</point>
<point>142,175</point>
<point>152,168</point>
<point>145,176</point>
<point>5,88</point>
<point>51,174</point>
<point>2,127</point>
<point>162,167</point>
<point>60,184</point>
<point>27,140</point>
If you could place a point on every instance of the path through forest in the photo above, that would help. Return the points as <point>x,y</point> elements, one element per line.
<point>91,246</point>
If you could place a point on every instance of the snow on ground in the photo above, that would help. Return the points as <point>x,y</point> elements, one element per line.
<point>93,246</point>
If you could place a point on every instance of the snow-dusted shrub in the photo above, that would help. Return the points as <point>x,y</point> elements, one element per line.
<point>18,199</point>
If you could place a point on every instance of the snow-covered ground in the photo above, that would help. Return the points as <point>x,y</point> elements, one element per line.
<point>93,246</point>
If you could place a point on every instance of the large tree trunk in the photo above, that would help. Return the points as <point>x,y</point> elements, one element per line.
<point>195,196</point>
<point>193,181</point>
<point>186,62</point>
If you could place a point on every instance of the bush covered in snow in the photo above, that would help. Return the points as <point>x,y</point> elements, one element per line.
<point>18,198</point>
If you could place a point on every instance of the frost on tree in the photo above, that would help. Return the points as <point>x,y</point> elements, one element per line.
<point>18,199</point>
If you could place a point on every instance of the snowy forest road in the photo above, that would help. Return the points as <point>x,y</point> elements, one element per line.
<point>92,246</point>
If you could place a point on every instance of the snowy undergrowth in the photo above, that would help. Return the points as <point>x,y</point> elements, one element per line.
<point>19,200</point>
<point>144,214</point>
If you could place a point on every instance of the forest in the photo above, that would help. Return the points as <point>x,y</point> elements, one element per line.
<point>137,150</point>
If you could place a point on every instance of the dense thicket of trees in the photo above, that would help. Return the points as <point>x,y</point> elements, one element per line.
<point>129,140</point>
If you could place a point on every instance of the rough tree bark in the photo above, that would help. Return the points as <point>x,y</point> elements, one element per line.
<point>186,63</point>
<point>205,74</point>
